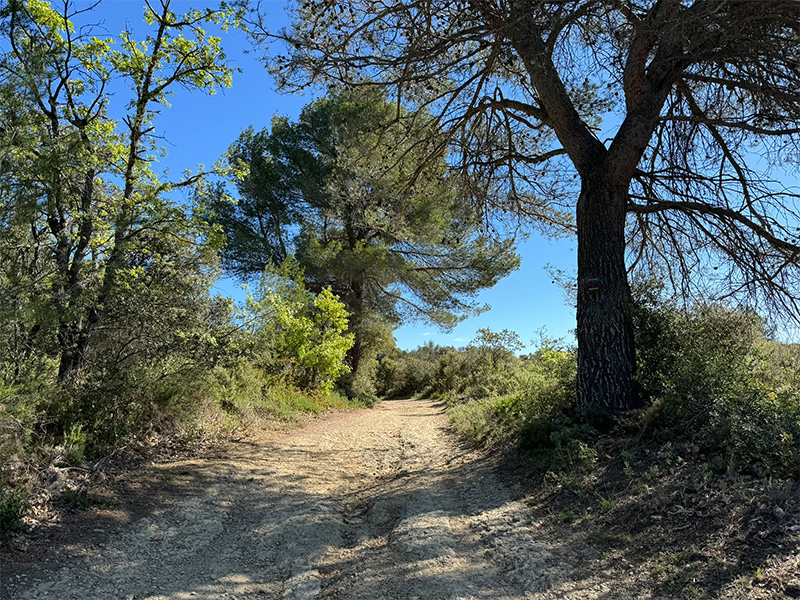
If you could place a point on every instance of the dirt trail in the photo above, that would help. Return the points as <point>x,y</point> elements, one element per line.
<point>367,505</point>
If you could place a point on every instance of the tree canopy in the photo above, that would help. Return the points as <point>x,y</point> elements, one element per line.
<point>667,126</point>
<point>351,191</point>
<point>86,226</point>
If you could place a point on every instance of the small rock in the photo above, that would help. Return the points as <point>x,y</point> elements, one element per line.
<point>794,528</point>
<point>778,512</point>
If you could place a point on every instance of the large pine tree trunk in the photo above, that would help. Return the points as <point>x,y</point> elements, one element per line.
<point>356,309</point>
<point>606,354</point>
<point>354,356</point>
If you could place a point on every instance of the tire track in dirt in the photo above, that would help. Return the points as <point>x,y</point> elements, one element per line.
<point>367,505</point>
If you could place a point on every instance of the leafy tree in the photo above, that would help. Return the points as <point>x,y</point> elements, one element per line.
<point>344,189</point>
<point>302,331</point>
<point>499,346</point>
<point>84,219</point>
<point>692,90</point>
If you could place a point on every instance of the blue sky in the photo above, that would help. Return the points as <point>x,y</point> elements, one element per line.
<point>197,129</point>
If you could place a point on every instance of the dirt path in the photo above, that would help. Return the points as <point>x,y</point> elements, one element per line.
<point>368,505</point>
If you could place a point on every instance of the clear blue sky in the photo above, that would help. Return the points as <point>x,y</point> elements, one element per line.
<point>198,129</point>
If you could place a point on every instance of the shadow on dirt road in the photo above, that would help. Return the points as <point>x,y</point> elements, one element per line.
<point>364,505</point>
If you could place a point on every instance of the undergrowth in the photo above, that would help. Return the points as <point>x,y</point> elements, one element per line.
<point>178,364</point>
<point>62,431</point>
<point>712,376</point>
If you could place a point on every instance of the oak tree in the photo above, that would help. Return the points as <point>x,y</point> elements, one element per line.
<point>87,225</point>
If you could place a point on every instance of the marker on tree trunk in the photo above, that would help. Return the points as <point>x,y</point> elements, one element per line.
<point>593,283</point>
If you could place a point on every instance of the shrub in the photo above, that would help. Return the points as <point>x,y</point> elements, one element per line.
<point>542,403</point>
<point>486,368</point>
<point>476,372</point>
<point>760,427</point>
<point>301,332</point>
<point>713,374</point>
<point>13,506</point>
<point>247,395</point>
<point>473,420</point>
<point>402,374</point>
<point>18,417</point>
<point>75,441</point>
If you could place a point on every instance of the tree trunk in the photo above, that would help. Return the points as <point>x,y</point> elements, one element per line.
<point>70,359</point>
<point>74,342</point>
<point>606,354</point>
<point>354,356</point>
<point>356,308</point>
<point>75,326</point>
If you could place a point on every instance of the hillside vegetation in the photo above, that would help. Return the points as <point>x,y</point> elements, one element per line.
<point>110,332</point>
<point>200,371</point>
<point>711,375</point>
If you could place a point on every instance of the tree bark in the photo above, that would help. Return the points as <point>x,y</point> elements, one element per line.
<point>606,353</point>
<point>355,325</point>
<point>354,356</point>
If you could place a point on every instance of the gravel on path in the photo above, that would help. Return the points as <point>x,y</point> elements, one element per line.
<point>364,505</point>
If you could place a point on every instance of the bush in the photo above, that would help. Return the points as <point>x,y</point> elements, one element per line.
<point>541,405</point>
<point>247,395</point>
<point>757,428</point>
<point>13,506</point>
<point>18,417</point>
<point>302,332</point>
<point>713,374</point>
<point>486,368</point>
<point>548,395</point>
<point>473,420</point>
<point>402,374</point>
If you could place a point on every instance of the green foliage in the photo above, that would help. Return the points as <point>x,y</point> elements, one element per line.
<point>485,368</point>
<point>712,375</point>
<point>573,453</point>
<point>242,394</point>
<point>108,297</point>
<point>108,329</point>
<point>18,418</point>
<point>627,462</point>
<point>75,444</point>
<point>367,208</point>
<point>548,394</point>
<point>13,506</point>
<point>78,191</point>
<point>713,372</point>
<point>402,374</point>
<point>303,332</point>
<point>534,413</point>
<point>473,420</point>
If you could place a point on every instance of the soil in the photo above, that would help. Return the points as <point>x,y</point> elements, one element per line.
<point>365,505</point>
